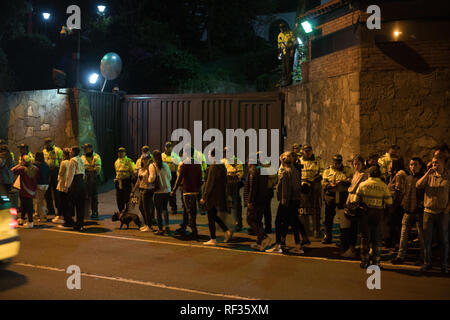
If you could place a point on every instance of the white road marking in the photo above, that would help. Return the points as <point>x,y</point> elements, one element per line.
<point>227,249</point>
<point>142,283</point>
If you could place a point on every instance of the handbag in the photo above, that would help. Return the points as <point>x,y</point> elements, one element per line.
<point>157,184</point>
<point>16,184</point>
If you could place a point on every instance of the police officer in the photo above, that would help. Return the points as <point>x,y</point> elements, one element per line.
<point>297,148</point>
<point>172,160</point>
<point>336,180</point>
<point>374,194</point>
<point>386,160</point>
<point>53,157</point>
<point>312,171</point>
<point>235,173</point>
<point>93,167</point>
<point>124,167</point>
<point>24,151</point>
<point>286,49</point>
<point>3,142</point>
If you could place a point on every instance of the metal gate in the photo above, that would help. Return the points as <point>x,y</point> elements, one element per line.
<point>151,119</point>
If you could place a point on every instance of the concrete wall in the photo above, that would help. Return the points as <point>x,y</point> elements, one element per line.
<point>31,116</point>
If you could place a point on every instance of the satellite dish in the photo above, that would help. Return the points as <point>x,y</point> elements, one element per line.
<point>110,66</point>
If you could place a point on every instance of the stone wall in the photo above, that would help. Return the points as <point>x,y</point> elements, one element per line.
<point>325,114</point>
<point>406,108</point>
<point>31,116</point>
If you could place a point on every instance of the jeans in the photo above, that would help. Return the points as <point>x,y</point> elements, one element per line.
<point>254,220</point>
<point>190,214</point>
<point>40,201</point>
<point>91,191</point>
<point>51,193</point>
<point>77,198</point>
<point>287,215</point>
<point>212,219</point>
<point>370,231</point>
<point>146,206</point>
<point>330,212</point>
<point>236,201</point>
<point>407,222</point>
<point>27,208</point>
<point>173,200</point>
<point>440,221</point>
<point>161,200</point>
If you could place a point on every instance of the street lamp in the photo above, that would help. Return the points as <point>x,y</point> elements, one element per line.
<point>93,78</point>
<point>46,15</point>
<point>307,26</point>
<point>101,9</point>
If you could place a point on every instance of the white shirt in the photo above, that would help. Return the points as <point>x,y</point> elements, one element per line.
<point>165,177</point>
<point>62,175</point>
<point>76,166</point>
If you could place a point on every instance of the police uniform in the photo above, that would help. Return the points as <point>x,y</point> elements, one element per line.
<point>310,204</point>
<point>93,167</point>
<point>172,160</point>
<point>271,184</point>
<point>384,163</point>
<point>375,194</point>
<point>124,172</point>
<point>286,43</point>
<point>53,158</point>
<point>235,173</point>
<point>335,197</point>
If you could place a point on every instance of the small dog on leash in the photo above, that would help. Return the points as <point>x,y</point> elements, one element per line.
<point>125,218</point>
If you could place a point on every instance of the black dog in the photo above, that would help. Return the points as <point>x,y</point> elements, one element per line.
<point>125,218</point>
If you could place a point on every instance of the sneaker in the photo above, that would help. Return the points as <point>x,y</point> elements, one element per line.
<point>348,254</point>
<point>61,226</point>
<point>298,249</point>
<point>276,249</point>
<point>144,229</point>
<point>20,221</point>
<point>28,225</point>
<point>265,243</point>
<point>58,219</point>
<point>228,235</point>
<point>211,242</point>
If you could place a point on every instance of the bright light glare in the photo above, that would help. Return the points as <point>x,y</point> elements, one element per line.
<point>299,41</point>
<point>397,33</point>
<point>46,15</point>
<point>93,78</point>
<point>307,27</point>
<point>101,9</point>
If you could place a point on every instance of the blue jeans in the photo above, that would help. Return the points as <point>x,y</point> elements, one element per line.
<point>439,220</point>
<point>409,219</point>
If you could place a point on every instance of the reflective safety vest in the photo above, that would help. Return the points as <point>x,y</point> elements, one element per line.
<point>54,157</point>
<point>384,163</point>
<point>332,176</point>
<point>235,169</point>
<point>92,164</point>
<point>171,160</point>
<point>28,154</point>
<point>124,168</point>
<point>374,193</point>
<point>312,168</point>
<point>285,40</point>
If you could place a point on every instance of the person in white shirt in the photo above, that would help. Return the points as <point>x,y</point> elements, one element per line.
<point>76,189</point>
<point>62,177</point>
<point>160,178</point>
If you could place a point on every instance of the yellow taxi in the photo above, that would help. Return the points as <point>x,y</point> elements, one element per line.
<point>9,236</point>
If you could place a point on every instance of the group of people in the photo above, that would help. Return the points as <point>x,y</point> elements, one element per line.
<point>52,182</point>
<point>376,198</point>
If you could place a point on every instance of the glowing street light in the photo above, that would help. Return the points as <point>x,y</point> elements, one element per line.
<point>46,15</point>
<point>101,9</point>
<point>93,78</point>
<point>307,26</point>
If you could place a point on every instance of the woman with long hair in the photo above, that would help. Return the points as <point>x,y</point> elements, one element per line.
<point>146,206</point>
<point>160,177</point>
<point>62,177</point>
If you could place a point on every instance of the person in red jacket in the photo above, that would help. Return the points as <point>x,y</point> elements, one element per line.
<point>29,176</point>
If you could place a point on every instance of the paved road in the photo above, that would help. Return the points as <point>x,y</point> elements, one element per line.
<point>128,264</point>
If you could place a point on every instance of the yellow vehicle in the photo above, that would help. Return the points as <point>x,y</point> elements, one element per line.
<point>9,236</point>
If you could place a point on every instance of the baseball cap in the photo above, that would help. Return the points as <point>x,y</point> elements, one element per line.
<point>87,145</point>
<point>121,149</point>
<point>48,140</point>
<point>22,145</point>
<point>307,147</point>
<point>145,148</point>
<point>337,157</point>
<point>168,144</point>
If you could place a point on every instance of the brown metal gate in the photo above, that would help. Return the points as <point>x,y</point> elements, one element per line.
<point>150,120</point>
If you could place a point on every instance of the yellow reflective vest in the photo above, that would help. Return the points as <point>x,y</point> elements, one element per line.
<point>124,168</point>
<point>235,169</point>
<point>54,157</point>
<point>333,176</point>
<point>171,161</point>
<point>384,163</point>
<point>93,163</point>
<point>374,193</point>
<point>312,168</point>
<point>285,40</point>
